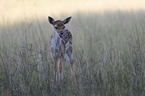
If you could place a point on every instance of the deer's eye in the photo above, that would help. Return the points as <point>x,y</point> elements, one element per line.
<point>56,27</point>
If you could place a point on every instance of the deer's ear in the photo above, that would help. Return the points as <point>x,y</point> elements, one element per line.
<point>65,21</point>
<point>51,20</point>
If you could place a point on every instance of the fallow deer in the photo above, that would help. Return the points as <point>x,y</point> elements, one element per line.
<point>61,47</point>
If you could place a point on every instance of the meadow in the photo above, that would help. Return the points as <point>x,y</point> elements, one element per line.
<point>108,42</point>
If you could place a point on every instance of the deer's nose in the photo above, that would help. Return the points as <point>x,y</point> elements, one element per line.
<point>61,32</point>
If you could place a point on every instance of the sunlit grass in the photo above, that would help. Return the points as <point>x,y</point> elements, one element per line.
<point>16,10</point>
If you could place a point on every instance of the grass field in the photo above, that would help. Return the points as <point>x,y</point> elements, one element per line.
<point>108,40</point>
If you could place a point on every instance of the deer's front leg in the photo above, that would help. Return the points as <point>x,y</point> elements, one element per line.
<point>61,60</point>
<point>61,67</point>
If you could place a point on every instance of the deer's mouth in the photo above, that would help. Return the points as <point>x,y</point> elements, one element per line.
<point>65,35</point>
<point>61,33</point>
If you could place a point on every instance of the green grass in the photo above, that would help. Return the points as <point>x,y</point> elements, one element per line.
<point>109,56</point>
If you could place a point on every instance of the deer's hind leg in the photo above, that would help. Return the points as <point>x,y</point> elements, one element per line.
<point>69,53</point>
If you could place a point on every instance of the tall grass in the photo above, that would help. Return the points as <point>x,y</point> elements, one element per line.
<point>109,52</point>
<point>108,42</point>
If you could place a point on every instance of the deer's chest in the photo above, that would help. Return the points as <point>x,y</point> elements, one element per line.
<point>56,43</point>
<point>58,46</point>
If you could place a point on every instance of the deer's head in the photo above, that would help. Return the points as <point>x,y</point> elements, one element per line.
<point>59,25</point>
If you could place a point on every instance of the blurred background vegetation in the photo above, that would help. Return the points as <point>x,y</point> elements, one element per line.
<point>108,40</point>
<point>18,10</point>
